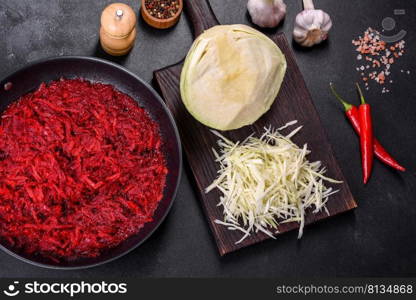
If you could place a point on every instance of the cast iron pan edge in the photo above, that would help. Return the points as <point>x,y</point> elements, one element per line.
<point>29,77</point>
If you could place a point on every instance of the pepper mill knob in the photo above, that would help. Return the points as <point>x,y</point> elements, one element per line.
<point>118,29</point>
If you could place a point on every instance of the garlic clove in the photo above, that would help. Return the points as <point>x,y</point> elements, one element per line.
<point>266,13</point>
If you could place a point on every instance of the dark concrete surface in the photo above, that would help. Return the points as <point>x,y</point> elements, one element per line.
<point>377,239</point>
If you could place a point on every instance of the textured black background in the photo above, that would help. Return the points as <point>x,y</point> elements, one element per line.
<point>377,239</point>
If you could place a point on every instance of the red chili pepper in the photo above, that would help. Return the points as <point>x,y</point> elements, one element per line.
<point>380,152</point>
<point>366,136</point>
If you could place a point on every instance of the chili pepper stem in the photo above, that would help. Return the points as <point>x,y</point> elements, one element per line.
<point>347,106</point>
<point>360,93</point>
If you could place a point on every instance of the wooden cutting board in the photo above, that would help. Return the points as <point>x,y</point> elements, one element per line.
<point>293,103</point>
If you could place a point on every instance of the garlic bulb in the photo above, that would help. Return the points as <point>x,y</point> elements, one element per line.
<point>311,25</point>
<point>266,13</point>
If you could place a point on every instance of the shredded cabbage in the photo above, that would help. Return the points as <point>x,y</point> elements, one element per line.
<point>266,181</point>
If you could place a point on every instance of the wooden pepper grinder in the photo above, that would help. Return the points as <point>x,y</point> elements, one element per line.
<point>118,29</point>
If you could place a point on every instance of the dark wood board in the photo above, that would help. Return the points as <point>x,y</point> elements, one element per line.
<point>293,103</point>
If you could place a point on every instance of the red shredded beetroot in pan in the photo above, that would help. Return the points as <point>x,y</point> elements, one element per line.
<point>81,169</point>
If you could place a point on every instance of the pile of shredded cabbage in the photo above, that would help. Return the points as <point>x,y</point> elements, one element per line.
<point>266,181</point>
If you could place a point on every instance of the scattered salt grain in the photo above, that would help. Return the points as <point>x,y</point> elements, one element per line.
<point>380,54</point>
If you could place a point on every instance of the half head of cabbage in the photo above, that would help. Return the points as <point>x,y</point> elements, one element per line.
<point>231,76</point>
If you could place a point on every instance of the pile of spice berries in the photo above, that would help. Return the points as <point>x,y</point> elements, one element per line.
<point>376,57</point>
<point>162,9</point>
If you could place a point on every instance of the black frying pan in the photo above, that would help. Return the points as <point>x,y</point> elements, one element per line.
<point>30,77</point>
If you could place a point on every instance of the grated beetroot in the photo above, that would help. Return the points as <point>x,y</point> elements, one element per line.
<point>81,170</point>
